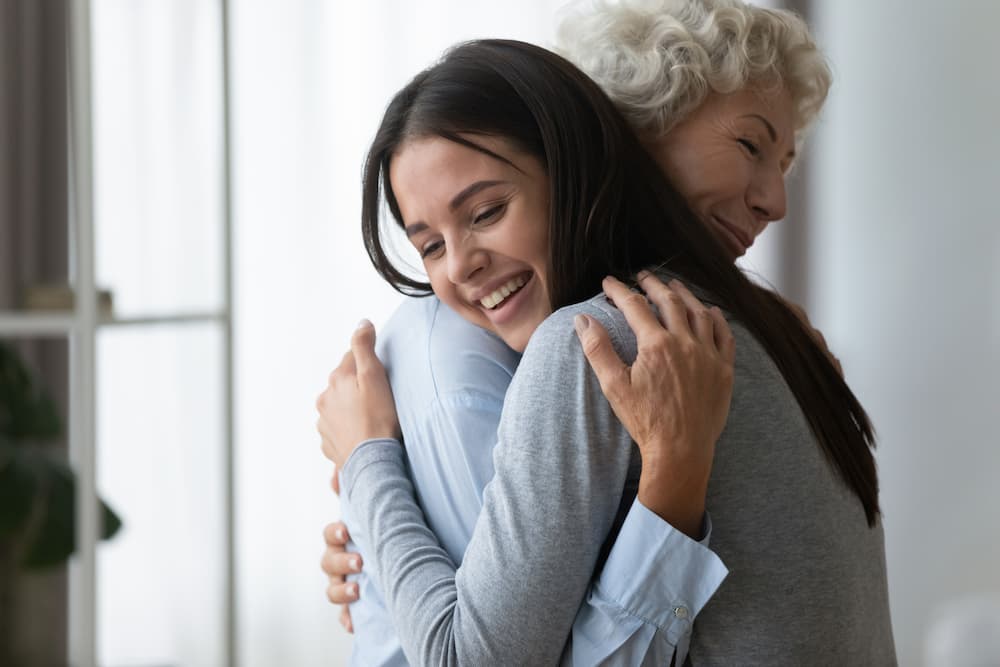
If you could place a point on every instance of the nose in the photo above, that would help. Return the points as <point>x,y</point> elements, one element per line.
<point>465,259</point>
<point>766,196</point>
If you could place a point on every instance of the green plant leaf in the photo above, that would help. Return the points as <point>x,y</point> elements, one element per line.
<point>55,538</point>
<point>27,412</point>
<point>18,488</point>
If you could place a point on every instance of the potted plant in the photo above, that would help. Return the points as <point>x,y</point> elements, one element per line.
<point>37,488</point>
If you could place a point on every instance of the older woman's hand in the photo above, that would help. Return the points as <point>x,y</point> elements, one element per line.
<point>357,404</point>
<point>674,399</point>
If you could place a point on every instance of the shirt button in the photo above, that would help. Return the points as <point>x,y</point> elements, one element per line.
<point>681,612</point>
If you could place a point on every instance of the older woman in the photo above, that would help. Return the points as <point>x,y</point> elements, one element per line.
<point>746,130</point>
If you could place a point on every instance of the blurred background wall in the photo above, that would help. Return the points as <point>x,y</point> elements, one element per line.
<point>905,281</point>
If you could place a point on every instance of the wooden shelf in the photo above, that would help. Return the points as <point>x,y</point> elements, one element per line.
<point>19,323</point>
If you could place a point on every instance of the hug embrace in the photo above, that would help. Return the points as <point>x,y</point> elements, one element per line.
<point>587,438</point>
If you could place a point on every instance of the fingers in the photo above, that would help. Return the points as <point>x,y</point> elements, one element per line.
<point>363,347</point>
<point>611,371</point>
<point>702,324</point>
<point>336,535</point>
<point>345,618</point>
<point>338,563</point>
<point>725,342</point>
<point>634,307</point>
<point>672,307</point>
<point>341,593</point>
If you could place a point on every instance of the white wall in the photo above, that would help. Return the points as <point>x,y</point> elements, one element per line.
<point>906,254</point>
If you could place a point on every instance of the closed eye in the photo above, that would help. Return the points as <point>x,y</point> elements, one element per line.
<point>750,146</point>
<point>431,249</point>
<point>490,214</point>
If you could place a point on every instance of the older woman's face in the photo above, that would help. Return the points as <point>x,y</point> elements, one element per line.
<point>728,159</point>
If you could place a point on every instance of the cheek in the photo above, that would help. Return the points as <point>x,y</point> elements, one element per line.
<point>443,288</point>
<point>687,173</point>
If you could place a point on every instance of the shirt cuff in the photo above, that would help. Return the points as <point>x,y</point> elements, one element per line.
<point>657,573</point>
<point>369,452</point>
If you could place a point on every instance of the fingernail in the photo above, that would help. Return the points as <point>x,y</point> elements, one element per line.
<point>353,589</point>
<point>580,323</point>
<point>364,323</point>
<point>642,275</point>
<point>355,564</point>
<point>340,534</point>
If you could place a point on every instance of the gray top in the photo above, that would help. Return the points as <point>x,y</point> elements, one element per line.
<point>807,581</point>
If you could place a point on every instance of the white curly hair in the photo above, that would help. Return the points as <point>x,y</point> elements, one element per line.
<point>659,59</point>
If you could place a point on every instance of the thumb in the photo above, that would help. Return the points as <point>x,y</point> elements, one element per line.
<point>611,371</point>
<point>363,347</point>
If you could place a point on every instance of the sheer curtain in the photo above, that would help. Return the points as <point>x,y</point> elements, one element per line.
<point>311,80</point>
<point>158,194</point>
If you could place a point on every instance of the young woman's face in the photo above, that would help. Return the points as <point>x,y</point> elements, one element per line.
<point>728,158</point>
<point>481,226</point>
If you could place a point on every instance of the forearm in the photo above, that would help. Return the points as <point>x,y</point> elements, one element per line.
<point>477,613</point>
<point>675,494</point>
<point>554,497</point>
<point>413,571</point>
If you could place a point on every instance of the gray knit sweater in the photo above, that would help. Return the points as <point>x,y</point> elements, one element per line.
<point>807,583</point>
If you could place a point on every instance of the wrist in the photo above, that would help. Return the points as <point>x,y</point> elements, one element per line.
<point>676,494</point>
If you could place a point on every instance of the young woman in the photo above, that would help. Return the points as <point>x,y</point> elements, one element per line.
<point>794,458</point>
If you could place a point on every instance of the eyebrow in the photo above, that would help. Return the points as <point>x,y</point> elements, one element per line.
<point>455,202</point>
<point>770,129</point>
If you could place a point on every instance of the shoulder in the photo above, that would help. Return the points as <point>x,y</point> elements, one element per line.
<point>555,340</point>
<point>466,358</point>
<point>429,348</point>
<point>407,326</point>
<point>554,374</point>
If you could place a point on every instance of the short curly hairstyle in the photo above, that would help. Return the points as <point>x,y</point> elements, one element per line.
<point>659,59</point>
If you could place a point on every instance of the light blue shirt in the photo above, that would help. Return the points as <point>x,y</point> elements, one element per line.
<point>449,379</point>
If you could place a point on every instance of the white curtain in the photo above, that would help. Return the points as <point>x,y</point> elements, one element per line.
<point>311,82</point>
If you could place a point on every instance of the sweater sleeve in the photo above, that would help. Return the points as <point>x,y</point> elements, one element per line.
<point>561,464</point>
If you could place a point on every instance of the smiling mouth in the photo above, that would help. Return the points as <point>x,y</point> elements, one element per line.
<point>493,300</point>
<point>734,236</point>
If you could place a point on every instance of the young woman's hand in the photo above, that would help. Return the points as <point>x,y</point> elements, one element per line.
<point>674,399</point>
<point>357,403</point>
<point>337,563</point>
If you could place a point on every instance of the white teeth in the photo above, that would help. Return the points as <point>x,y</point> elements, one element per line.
<point>497,296</point>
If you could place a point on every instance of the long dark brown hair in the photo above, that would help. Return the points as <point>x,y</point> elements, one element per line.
<point>611,212</point>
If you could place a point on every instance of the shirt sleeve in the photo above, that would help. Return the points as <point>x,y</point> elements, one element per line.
<point>641,608</point>
<point>561,463</point>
